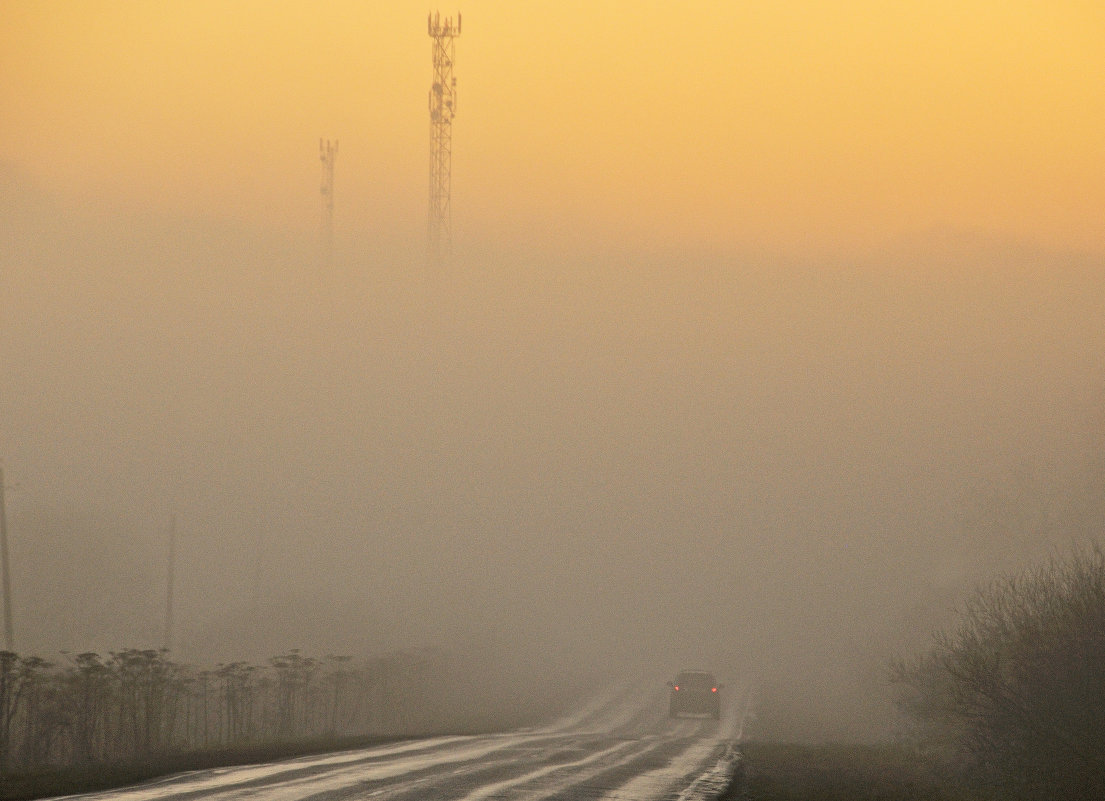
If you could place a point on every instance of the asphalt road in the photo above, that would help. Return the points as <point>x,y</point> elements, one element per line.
<point>619,746</point>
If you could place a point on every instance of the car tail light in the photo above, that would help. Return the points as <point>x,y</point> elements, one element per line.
<point>677,688</point>
<point>713,689</point>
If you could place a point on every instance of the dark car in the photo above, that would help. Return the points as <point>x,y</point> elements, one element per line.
<point>695,692</point>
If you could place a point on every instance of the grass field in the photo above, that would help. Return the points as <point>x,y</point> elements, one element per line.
<point>786,772</point>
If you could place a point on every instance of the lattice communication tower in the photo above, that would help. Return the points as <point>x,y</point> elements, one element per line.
<point>443,107</point>
<point>328,152</point>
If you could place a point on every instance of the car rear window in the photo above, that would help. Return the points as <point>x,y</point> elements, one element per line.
<point>695,680</point>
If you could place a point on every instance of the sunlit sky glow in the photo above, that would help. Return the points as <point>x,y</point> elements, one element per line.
<point>800,125</point>
<point>770,328</point>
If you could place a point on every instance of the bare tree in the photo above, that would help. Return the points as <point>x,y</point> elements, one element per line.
<point>135,704</point>
<point>294,673</point>
<point>88,680</point>
<point>1015,695</point>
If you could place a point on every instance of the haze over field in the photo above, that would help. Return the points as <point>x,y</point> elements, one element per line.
<point>768,332</point>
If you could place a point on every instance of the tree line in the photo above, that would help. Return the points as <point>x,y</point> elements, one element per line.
<point>89,708</point>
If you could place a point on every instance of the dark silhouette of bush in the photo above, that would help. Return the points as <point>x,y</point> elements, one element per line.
<point>1013,698</point>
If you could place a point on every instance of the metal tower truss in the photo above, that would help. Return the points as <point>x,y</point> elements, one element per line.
<point>443,107</point>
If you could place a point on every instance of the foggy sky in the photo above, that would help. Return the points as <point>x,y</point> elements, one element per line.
<point>770,331</point>
<point>796,126</point>
<point>609,460</point>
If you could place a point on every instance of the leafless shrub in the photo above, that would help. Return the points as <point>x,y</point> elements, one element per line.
<point>1014,697</point>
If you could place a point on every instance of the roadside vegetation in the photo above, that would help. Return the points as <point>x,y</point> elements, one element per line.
<point>1009,704</point>
<point>93,721</point>
<point>1012,700</point>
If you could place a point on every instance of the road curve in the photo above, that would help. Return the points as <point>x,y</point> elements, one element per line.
<point>619,747</point>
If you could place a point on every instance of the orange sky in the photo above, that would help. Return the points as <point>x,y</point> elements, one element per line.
<point>800,125</point>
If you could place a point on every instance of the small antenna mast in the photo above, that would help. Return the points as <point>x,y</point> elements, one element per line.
<point>328,152</point>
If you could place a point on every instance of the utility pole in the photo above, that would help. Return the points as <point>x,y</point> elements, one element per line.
<point>168,639</point>
<point>5,568</point>
<point>258,570</point>
<point>328,152</point>
<point>443,107</point>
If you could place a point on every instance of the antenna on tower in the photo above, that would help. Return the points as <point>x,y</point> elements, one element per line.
<point>328,152</point>
<point>443,107</point>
